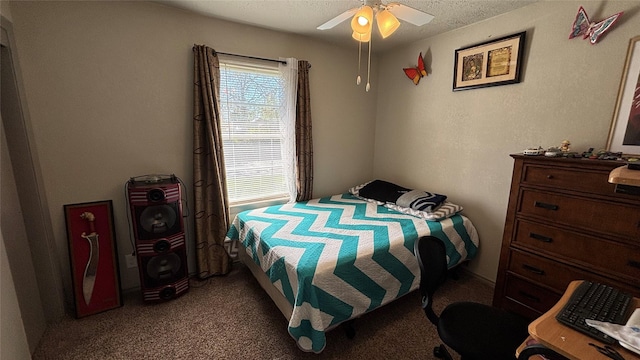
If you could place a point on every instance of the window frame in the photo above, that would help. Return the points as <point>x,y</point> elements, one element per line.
<point>248,204</point>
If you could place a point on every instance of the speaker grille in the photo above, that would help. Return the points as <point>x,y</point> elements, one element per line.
<point>163,269</point>
<point>157,221</point>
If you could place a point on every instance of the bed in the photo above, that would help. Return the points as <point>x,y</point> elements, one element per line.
<point>329,260</point>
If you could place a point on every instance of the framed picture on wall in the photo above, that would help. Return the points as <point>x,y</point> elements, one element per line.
<point>492,63</point>
<point>93,256</point>
<point>624,134</point>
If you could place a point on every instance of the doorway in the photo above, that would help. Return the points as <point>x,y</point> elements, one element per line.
<point>25,221</point>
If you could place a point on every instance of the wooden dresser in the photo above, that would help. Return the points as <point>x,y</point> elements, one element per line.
<point>565,222</point>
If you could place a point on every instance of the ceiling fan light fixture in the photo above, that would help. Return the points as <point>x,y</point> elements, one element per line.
<point>361,21</point>
<point>361,37</point>
<point>387,23</point>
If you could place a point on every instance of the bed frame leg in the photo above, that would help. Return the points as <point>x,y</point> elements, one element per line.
<point>453,273</point>
<point>349,329</point>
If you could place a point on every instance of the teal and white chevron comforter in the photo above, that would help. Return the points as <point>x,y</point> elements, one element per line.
<point>338,257</point>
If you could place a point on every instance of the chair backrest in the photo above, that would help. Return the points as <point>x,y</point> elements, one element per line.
<point>432,259</point>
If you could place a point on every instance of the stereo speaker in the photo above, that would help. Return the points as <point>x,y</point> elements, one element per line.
<point>156,209</point>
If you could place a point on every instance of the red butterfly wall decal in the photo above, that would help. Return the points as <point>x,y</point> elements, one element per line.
<point>415,73</point>
<point>592,30</point>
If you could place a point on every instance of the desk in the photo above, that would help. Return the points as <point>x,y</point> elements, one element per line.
<point>566,341</point>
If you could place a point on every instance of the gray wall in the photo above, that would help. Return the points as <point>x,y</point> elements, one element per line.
<point>458,143</point>
<point>109,86</point>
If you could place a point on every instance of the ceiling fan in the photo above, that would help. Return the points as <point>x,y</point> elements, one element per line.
<point>386,15</point>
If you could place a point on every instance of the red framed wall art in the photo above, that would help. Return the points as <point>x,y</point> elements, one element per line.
<point>93,256</point>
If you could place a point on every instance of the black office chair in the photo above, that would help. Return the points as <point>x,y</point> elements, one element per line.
<point>475,331</point>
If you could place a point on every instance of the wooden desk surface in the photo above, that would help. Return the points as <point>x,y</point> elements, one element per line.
<point>566,341</point>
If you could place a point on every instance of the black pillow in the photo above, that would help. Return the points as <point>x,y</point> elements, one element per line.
<point>382,191</point>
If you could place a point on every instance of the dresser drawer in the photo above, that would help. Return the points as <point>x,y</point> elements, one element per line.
<point>544,271</point>
<point>530,295</point>
<point>619,219</point>
<point>615,258</point>
<point>556,275</point>
<point>592,181</point>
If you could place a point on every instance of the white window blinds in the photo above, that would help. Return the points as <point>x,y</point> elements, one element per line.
<point>256,130</point>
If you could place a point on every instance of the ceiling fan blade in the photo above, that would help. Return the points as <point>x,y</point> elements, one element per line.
<point>338,19</point>
<point>409,14</point>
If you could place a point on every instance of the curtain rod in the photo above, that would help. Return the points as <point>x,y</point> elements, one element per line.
<point>253,57</point>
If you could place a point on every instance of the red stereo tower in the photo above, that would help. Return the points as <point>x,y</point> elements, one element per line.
<point>155,203</point>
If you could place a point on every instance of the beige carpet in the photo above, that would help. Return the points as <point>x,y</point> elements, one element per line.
<point>231,317</point>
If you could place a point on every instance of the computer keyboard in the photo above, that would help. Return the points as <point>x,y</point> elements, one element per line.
<point>595,301</point>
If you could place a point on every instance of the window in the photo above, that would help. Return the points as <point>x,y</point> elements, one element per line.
<point>257,131</point>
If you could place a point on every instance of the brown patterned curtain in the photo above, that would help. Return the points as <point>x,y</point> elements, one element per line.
<point>209,178</point>
<point>304,143</point>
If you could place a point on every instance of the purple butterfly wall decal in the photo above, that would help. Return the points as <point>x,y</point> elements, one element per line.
<point>592,30</point>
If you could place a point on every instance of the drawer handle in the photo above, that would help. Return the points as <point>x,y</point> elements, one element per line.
<point>533,269</point>
<point>540,237</point>
<point>545,205</point>
<point>529,296</point>
<point>633,263</point>
<point>549,177</point>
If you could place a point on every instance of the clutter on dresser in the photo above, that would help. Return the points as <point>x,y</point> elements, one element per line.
<point>533,151</point>
<point>564,151</point>
<point>553,152</point>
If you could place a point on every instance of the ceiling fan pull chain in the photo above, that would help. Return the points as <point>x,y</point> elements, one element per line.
<point>369,65</point>
<point>359,57</point>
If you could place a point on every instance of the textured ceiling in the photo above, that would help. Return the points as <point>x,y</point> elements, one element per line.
<point>304,16</point>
